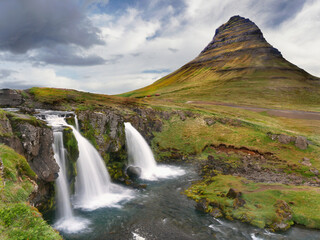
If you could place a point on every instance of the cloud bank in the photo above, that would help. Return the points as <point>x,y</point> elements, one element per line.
<point>112,46</point>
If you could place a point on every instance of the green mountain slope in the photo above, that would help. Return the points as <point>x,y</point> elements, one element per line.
<point>238,66</point>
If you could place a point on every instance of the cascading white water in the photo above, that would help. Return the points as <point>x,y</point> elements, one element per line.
<point>93,188</point>
<point>63,197</point>
<point>93,185</point>
<point>66,222</point>
<point>140,155</point>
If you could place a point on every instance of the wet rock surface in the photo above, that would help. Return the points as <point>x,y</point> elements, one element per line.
<point>133,172</point>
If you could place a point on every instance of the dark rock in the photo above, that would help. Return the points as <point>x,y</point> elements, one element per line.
<point>284,216</point>
<point>182,115</point>
<point>216,213</point>
<point>314,171</point>
<point>238,202</point>
<point>286,139</point>
<point>301,142</point>
<point>232,193</point>
<point>133,172</point>
<point>37,145</point>
<point>27,110</point>
<point>209,121</point>
<point>272,136</point>
<point>138,186</point>
<point>202,205</point>
<point>10,98</point>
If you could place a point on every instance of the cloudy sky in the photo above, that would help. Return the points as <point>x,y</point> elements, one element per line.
<point>113,46</point>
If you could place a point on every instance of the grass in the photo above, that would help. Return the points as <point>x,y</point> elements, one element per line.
<point>19,220</point>
<point>76,100</point>
<point>260,199</point>
<point>193,136</point>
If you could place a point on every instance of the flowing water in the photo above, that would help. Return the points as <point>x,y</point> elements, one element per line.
<point>93,188</point>
<point>66,222</point>
<point>140,155</point>
<point>163,212</point>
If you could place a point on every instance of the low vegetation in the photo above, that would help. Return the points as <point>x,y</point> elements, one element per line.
<point>19,220</point>
<point>261,201</point>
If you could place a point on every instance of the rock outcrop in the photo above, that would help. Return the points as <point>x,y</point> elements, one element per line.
<point>10,98</point>
<point>33,139</point>
<point>299,141</point>
<point>238,36</point>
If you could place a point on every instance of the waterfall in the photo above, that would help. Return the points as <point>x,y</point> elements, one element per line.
<point>140,155</point>
<point>66,222</point>
<point>93,187</point>
<point>63,197</point>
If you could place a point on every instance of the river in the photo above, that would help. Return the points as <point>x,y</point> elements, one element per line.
<point>161,211</point>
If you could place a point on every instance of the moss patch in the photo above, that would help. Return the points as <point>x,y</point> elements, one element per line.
<point>262,200</point>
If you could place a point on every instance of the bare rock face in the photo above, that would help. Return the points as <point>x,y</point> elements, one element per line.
<point>237,37</point>
<point>34,141</point>
<point>37,144</point>
<point>10,98</point>
<point>301,142</point>
<point>104,128</point>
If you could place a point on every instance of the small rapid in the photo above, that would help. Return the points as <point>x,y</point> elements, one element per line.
<point>140,155</point>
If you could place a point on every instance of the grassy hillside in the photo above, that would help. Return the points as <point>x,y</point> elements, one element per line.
<point>19,220</point>
<point>240,67</point>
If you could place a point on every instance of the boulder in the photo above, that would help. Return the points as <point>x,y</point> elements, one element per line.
<point>284,216</point>
<point>209,121</point>
<point>182,115</point>
<point>202,205</point>
<point>286,139</point>
<point>314,171</point>
<point>133,172</point>
<point>238,202</point>
<point>10,98</point>
<point>301,142</point>
<point>306,162</point>
<point>233,194</point>
<point>216,213</point>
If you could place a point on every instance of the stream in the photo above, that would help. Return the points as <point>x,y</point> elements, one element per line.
<point>162,212</point>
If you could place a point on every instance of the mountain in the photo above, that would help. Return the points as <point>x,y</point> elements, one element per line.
<point>238,66</point>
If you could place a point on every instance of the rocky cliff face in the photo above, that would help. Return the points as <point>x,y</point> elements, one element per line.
<point>237,38</point>
<point>10,98</point>
<point>33,139</point>
<point>105,130</point>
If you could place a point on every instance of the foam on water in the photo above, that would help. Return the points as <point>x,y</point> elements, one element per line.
<point>140,155</point>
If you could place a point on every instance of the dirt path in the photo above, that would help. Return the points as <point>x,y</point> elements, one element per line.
<point>277,187</point>
<point>294,114</point>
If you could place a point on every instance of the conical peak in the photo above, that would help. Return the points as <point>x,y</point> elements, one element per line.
<point>240,32</point>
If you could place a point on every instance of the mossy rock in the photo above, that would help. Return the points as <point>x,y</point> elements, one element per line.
<point>71,146</point>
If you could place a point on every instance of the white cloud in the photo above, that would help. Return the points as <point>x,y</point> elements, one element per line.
<point>137,40</point>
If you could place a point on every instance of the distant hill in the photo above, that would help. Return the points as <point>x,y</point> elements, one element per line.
<point>238,66</point>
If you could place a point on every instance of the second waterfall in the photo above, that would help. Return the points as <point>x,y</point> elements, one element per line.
<point>140,155</point>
